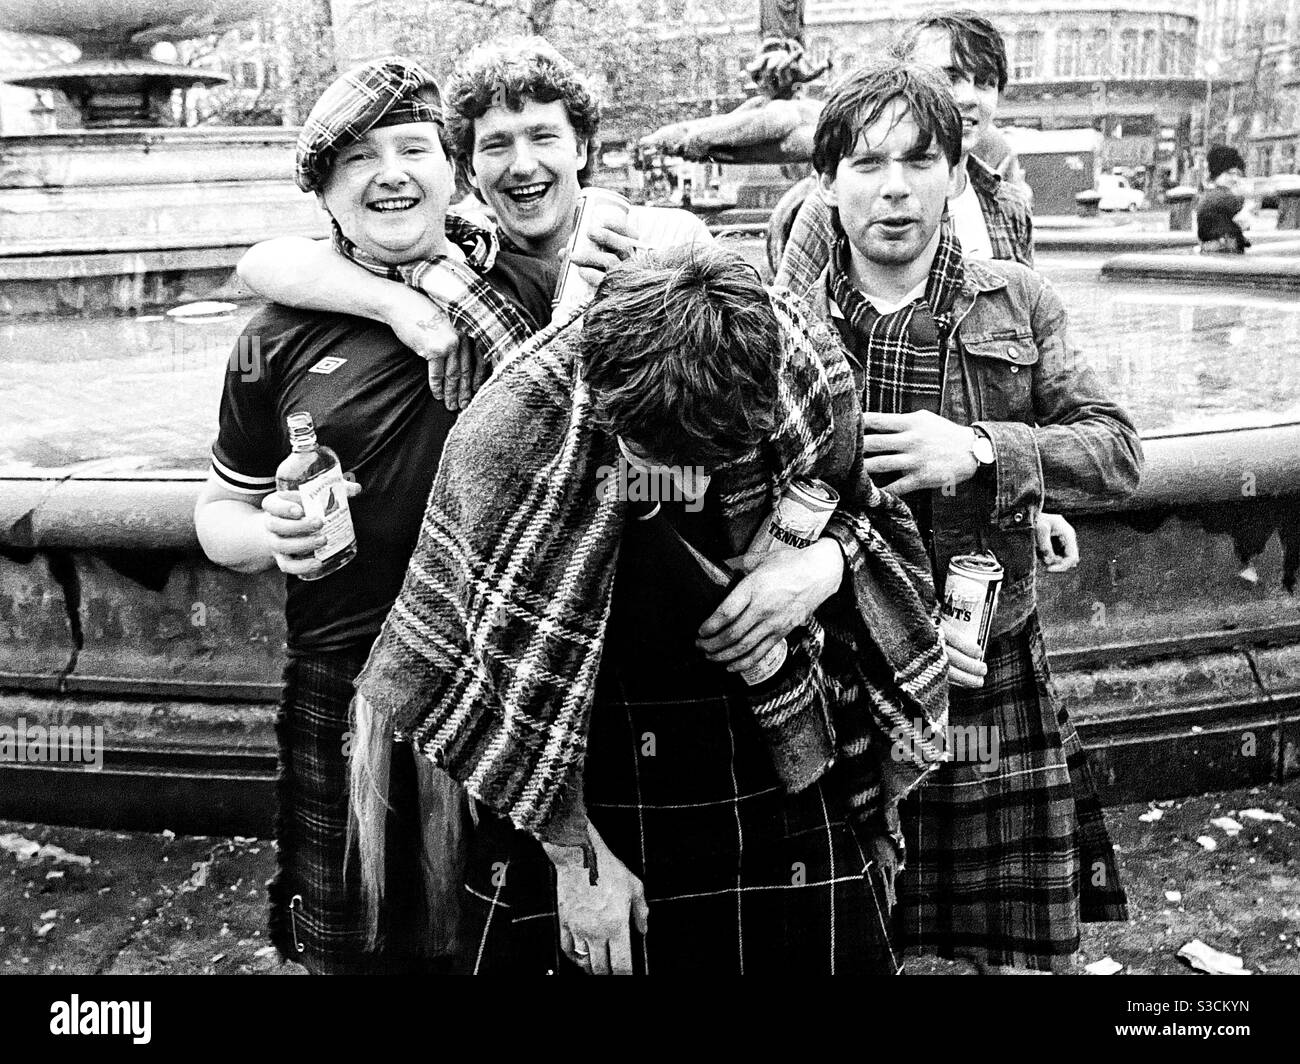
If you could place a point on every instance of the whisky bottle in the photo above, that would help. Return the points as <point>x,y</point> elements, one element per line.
<point>314,471</point>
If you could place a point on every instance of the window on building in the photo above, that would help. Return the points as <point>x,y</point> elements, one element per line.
<point>1276,30</point>
<point>1096,58</point>
<point>1069,46</point>
<point>248,75</point>
<point>1148,53</point>
<point>271,74</point>
<point>1286,164</point>
<point>1264,160</point>
<point>1026,50</point>
<point>1165,62</point>
<point>819,50</point>
<point>722,76</point>
<point>1024,62</point>
<point>1128,53</point>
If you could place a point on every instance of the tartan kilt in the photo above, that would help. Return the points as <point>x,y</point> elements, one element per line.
<point>317,917</point>
<point>740,877</point>
<point>1002,865</point>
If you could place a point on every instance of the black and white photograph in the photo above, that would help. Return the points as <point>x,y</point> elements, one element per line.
<point>650,487</point>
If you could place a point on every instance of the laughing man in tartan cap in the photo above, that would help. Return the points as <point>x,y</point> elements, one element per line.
<point>372,151</point>
<point>979,410</point>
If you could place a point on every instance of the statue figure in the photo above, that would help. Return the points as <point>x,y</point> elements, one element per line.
<point>776,126</point>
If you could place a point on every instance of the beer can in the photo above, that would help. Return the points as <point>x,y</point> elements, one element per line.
<point>770,664</point>
<point>596,206</point>
<point>799,517</point>
<point>970,596</point>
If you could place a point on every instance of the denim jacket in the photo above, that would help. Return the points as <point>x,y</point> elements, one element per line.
<point>1060,442</point>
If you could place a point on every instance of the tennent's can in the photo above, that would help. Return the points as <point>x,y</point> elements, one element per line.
<point>596,206</point>
<point>796,522</point>
<point>799,517</point>
<point>970,596</point>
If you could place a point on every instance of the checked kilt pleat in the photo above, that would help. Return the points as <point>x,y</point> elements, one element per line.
<point>1002,864</point>
<point>317,916</point>
<point>740,877</point>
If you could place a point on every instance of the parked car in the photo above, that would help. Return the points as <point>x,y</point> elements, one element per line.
<point>1118,195</point>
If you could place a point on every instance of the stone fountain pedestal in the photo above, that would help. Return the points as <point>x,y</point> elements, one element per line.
<point>128,220</point>
<point>129,213</point>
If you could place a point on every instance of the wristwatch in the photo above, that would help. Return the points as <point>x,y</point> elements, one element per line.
<point>982,448</point>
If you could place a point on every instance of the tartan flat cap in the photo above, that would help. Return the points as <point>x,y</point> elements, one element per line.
<point>382,92</point>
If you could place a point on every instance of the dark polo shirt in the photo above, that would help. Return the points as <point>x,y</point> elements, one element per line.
<point>370,400</point>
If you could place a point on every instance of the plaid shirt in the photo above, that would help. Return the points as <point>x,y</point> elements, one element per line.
<point>1006,215</point>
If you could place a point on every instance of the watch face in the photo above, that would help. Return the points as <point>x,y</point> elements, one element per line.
<point>983,449</point>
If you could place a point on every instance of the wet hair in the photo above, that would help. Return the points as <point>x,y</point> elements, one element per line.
<point>977,47</point>
<point>519,69</point>
<point>859,99</point>
<point>1221,158</point>
<point>680,349</point>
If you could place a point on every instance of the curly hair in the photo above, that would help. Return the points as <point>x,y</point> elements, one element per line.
<point>680,349</point>
<point>519,69</point>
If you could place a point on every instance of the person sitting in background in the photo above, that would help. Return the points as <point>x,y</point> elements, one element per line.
<point>1216,211</point>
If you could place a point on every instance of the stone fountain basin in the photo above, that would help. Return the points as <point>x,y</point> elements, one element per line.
<point>99,26</point>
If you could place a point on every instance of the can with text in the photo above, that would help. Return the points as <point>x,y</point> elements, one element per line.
<point>799,517</point>
<point>970,596</point>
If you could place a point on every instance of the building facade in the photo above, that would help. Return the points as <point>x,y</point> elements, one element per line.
<point>1253,47</point>
<point>1129,70</point>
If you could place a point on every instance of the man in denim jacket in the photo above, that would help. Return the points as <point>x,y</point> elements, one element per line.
<point>979,410</point>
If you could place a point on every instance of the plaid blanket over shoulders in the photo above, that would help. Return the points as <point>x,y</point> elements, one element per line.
<point>488,660</point>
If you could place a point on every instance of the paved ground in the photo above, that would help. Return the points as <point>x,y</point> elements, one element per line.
<point>104,902</point>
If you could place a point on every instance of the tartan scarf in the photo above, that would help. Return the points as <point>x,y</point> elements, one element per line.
<point>475,308</point>
<point>488,660</point>
<point>901,352</point>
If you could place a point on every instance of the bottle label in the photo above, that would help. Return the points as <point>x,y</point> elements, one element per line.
<point>326,497</point>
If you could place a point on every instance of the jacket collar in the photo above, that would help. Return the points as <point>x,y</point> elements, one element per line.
<point>986,180</point>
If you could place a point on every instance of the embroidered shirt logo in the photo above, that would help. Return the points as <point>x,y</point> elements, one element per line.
<point>327,365</point>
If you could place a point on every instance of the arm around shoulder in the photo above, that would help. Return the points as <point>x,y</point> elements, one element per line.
<point>311,274</point>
